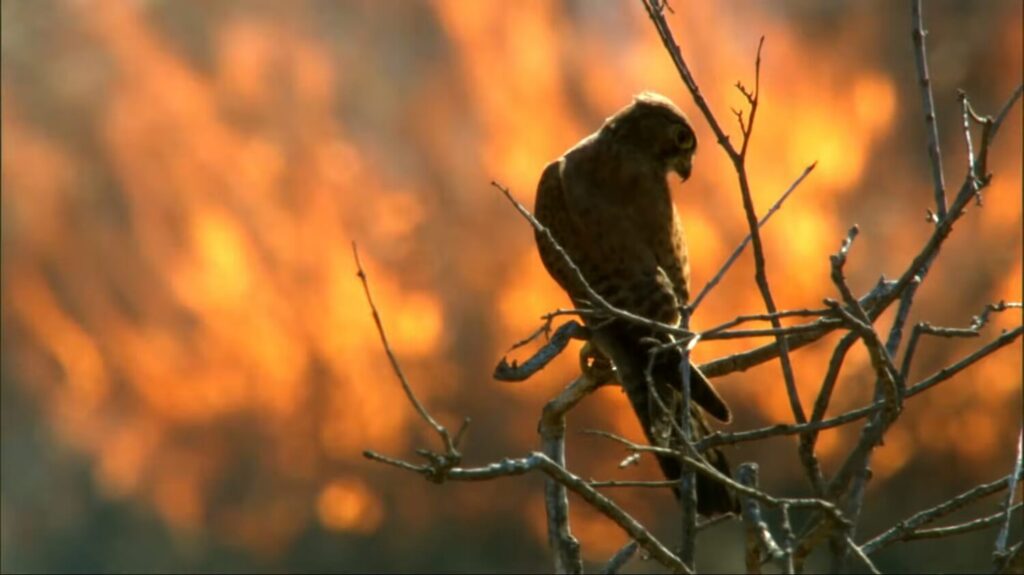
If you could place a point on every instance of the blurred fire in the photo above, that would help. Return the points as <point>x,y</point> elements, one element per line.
<point>181,300</point>
<point>349,506</point>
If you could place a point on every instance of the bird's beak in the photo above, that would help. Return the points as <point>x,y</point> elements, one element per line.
<point>683,165</point>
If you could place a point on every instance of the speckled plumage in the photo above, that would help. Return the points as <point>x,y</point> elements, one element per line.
<point>607,203</point>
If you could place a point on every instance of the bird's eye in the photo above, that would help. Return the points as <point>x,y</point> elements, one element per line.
<point>685,139</point>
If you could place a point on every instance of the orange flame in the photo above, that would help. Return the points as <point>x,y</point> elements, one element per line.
<point>182,288</point>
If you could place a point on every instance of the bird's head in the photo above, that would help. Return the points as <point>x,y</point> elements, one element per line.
<point>654,127</point>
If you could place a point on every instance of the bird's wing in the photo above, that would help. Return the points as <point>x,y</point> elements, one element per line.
<point>675,260</point>
<point>604,242</point>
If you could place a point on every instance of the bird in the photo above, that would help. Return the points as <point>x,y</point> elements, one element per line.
<point>606,203</point>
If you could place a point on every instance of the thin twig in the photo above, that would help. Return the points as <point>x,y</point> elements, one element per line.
<point>978,321</point>
<point>654,10</point>
<point>924,517</point>
<point>859,320</point>
<point>765,317</point>
<point>903,309</point>
<point>1002,540</point>
<point>961,528</point>
<point>654,483</point>
<point>707,470</point>
<point>989,127</point>
<point>748,333</point>
<point>945,373</point>
<point>972,174</point>
<point>450,447</point>
<point>708,523</point>
<point>621,557</point>
<point>809,439</point>
<point>913,275</point>
<point>739,249</point>
<point>1001,115</point>
<point>931,124</point>
<point>632,527</point>
<point>925,328</point>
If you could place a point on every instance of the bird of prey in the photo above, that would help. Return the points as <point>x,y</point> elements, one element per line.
<point>606,202</point>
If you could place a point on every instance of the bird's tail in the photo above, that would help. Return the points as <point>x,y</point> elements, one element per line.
<point>629,355</point>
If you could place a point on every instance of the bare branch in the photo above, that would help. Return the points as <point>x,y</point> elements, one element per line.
<point>374,456</point>
<point>885,292</point>
<point>788,540</point>
<point>901,530</point>
<point>892,387</point>
<point>742,490</point>
<point>759,537</point>
<point>1003,112</point>
<point>743,361</point>
<point>540,462</point>
<point>1014,562</point>
<point>903,310</point>
<point>945,373</point>
<point>915,271</point>
<point>859,553</point>
<point>961,528</point>
<point>924,328</point>
<point>978,321</point>
<point>718,438</point>
<point>809,438</point>
<point>564,545</point>
<point>888,385</point>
